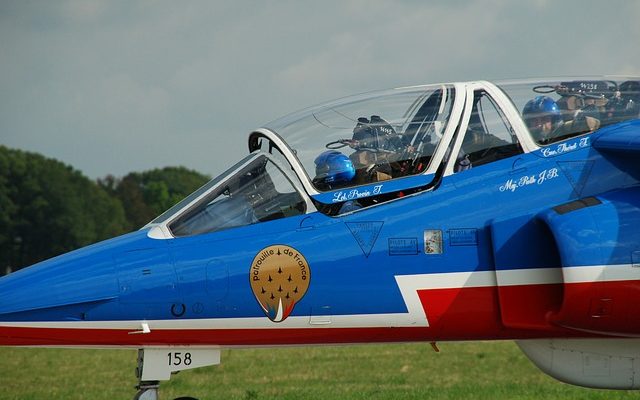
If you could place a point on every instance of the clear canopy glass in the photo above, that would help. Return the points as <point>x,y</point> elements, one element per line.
<point>258,192</point>
<point>370,137</point>
<point>382,136</point>
<point>557,109</point>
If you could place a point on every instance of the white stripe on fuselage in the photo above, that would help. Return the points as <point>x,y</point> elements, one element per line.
<point>409,286</point>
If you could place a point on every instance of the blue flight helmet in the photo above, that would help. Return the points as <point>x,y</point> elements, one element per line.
<point>333,168</point>
<point>541,107</point>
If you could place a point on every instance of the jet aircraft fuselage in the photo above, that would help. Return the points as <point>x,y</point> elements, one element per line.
<point>429,213</point>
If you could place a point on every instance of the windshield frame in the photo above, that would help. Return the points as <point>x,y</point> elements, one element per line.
<point>159,227</point>
<point>198,193</point>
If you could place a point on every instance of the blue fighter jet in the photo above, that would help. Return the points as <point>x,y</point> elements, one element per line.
<point>457,211</point>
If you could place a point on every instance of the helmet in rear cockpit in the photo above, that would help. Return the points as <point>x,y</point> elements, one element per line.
<point>542,116</point>
<point>541,107</point>
<point>333,169</point>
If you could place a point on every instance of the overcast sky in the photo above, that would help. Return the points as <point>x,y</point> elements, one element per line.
<point>111,87</point>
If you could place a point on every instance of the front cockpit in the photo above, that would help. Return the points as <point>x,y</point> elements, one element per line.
<point>258,191</point>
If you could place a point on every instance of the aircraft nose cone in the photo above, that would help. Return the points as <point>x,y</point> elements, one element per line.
<point>55,283</point>
<point>84,275</point>
<point>58,290</point>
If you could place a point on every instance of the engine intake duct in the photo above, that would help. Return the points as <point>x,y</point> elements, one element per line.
<point>598,240</point>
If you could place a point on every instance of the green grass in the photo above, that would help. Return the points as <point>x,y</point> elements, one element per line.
<point>479,370</point>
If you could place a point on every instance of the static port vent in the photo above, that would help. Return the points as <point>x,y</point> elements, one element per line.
<point>576,205</point>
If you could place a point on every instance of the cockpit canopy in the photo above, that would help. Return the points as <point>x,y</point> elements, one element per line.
<point>364,150</point>
<point>379,136</point>
<point>573,106</point>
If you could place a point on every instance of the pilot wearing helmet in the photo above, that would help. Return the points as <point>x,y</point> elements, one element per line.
<point>543,118</point>
<point>335,170</point>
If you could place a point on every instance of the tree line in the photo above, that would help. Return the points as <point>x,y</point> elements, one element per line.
<point>48,208</point>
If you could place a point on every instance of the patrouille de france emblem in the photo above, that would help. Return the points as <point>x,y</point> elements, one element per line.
<point>279,278</point>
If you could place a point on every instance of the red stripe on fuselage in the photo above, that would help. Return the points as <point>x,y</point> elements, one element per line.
<point>472,313</point>
<point>462,314</point>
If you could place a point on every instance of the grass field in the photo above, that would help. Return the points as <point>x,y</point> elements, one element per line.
<point>479,370</point>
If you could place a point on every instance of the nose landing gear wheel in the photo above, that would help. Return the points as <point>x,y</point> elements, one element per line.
<point>149,391</point>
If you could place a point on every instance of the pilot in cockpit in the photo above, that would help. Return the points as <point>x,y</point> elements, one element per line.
<point>543,118</point>
<point>335,170</point>
<point>380,153</point>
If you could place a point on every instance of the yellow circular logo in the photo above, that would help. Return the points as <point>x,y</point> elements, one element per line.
<point>279,278</point>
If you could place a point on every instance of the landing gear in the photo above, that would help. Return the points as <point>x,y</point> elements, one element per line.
<point>157,364</point>
<point>147,390</point>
